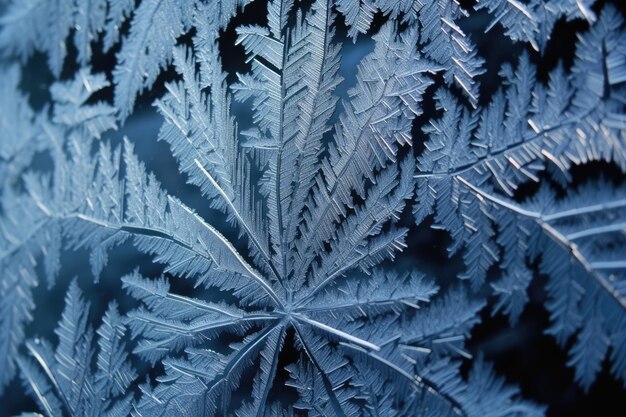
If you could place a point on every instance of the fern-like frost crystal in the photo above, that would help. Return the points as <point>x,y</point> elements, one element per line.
<point>278,294</point>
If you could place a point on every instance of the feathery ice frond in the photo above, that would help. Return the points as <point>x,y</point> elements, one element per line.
<point>38,207</point>
<point>49,24</point>
<point>155,27</point>
<point>475,161</point>
<point>64,382</point>
<point>532,21</point>
<point>154,30</point>
<point>441,39</point>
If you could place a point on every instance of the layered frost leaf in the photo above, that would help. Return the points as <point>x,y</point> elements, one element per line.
<point>475,162</point>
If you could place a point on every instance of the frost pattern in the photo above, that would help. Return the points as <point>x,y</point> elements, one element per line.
<point>317,187</point>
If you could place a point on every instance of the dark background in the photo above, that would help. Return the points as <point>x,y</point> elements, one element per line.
<point>523,354</point>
